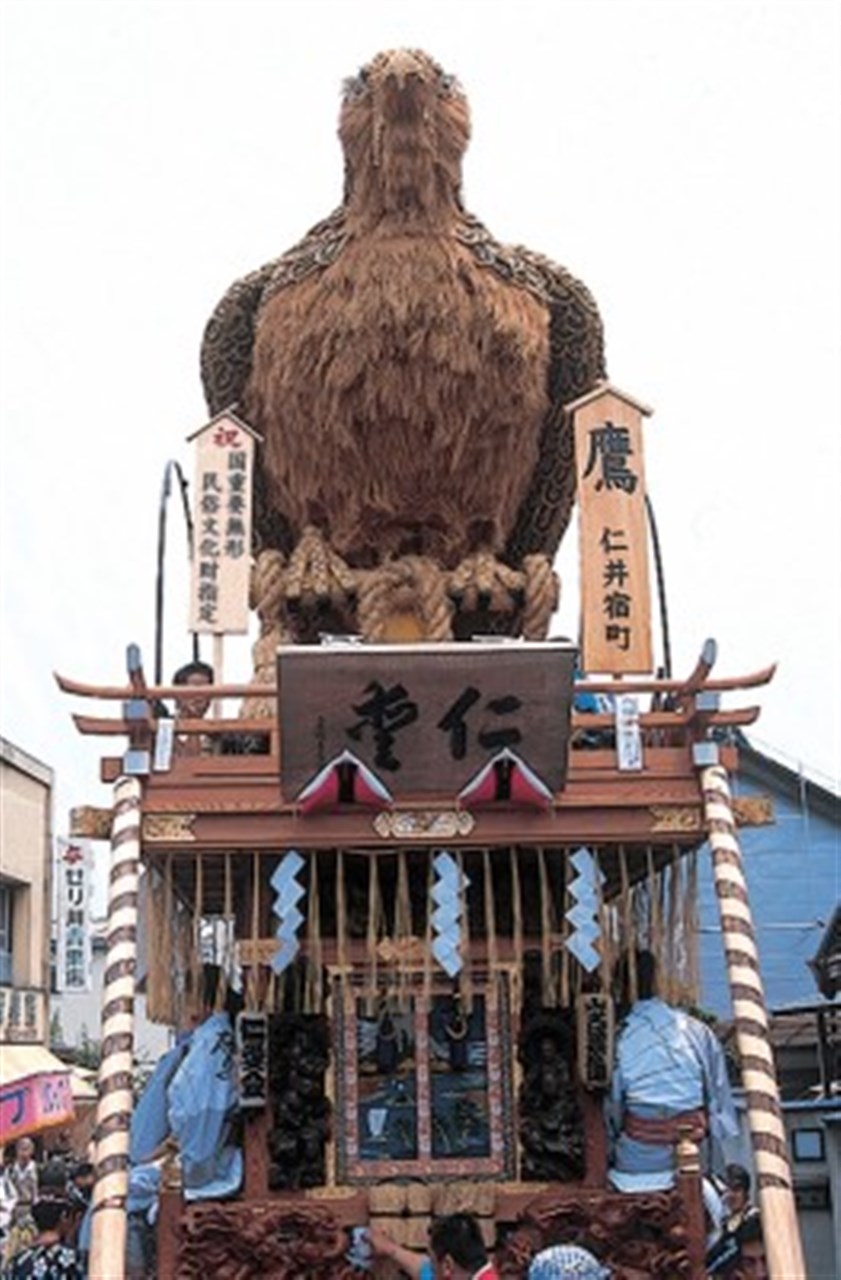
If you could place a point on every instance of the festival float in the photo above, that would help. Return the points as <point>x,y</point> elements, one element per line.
<point>417,841</point>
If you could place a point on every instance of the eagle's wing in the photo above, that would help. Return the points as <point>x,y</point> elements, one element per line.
<point>576,364</point>
<point>228,341</point>
<point>228,345</point>
<point>226,355</point>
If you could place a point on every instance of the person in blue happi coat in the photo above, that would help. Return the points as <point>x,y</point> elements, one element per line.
<point>191,1103</point>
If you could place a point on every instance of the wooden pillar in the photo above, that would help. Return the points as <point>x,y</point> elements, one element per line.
<point>168,1228</point>
<point>113,1113</point>
<point>256,1154</point>
<point>595,1138</point>
<point>773,1168</point>
<point>688,1183</point>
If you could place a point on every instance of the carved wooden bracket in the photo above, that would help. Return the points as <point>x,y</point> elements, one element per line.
<point>423,824</point>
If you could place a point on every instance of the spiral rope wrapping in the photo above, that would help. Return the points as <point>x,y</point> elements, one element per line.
<point>267,596</point>
<point>543,593</point>
<point>113,1116</point>
<point>773,1169</point>
<point>370,608</point>
<point>483,577</point>
<point>267,584</point>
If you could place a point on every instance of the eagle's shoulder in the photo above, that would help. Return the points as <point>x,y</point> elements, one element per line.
<point>575,325</point>
<point>519,265</point>
<point>576,332</point>
<point>321,245</point>
<point>560,285</point>
<point>227,344</point>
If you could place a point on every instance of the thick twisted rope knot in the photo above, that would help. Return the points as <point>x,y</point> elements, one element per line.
<point>412,584</point>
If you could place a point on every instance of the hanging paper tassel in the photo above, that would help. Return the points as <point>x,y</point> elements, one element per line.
<point>252,986</point>
<point>466,978</point>
<point>373,933</point>
<point>313,997</point>
<point>655,923</point>
<point>565,930</point>
<point>606,939</point>
<point>545,931</point>
<point>288,894</point>
<point>196,967</point>
<point>167,947</point>
<point>490,912</point>
<point>672,986</point>
<point>428,937</point>
<point>228,960</point>
<point>517,932</point>
<point>182,959</point>
<point>629,940</point>
<point>448,896</point>
<point>584,915</point>
<point>402,928</point>
<point>341,917</point>
<point>158,977</point>
<point>690,928</point>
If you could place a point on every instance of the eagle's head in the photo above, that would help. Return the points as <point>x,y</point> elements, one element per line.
<point>404,127</point>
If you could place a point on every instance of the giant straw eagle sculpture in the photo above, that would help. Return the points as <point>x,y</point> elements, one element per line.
<point>407,374</point>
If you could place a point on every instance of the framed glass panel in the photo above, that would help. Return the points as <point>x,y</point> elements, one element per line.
<point>459,1095</point>
<point>387,1093</point>
<point>421,1088</point>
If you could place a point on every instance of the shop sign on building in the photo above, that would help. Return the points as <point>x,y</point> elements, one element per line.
<point>21,1015</point>
<point>74,868</point>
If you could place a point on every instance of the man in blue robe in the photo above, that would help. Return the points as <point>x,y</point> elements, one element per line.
<point>669,1077</point>
<point>202,1102</point>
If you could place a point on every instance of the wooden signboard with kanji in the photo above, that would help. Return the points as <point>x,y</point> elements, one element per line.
<point>221,562</point>
<point>424,718</point>
<point>615,591</point>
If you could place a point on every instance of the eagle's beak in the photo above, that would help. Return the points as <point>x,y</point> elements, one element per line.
<point>405,88</point>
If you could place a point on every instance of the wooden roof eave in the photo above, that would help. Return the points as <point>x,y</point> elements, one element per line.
<point>104,727</point>
<point>641,684</point>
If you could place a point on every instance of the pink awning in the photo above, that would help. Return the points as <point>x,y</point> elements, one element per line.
<point>35,1090</point>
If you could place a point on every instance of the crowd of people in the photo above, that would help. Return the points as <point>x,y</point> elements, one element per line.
<point>44,1215</point>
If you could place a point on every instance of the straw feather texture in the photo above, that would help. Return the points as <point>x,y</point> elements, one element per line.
<point>406,372</point>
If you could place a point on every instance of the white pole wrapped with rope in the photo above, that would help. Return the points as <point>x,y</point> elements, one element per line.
<point>113,1115</point>
<point>773,1167</point>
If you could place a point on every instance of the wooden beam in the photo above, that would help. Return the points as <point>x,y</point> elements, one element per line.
<point>629,685</point>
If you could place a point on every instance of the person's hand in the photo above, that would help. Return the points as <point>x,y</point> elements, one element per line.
<point>382,1245</point>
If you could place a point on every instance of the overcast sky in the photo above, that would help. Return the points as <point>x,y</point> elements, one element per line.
<point>680,157</point>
